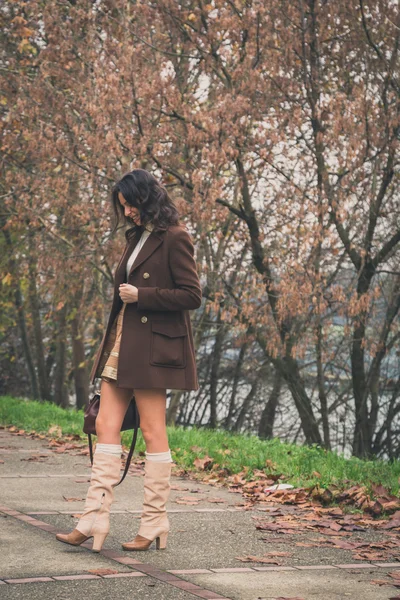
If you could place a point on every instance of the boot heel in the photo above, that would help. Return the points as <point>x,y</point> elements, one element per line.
<point>98,541</point>
<point>161,541</point>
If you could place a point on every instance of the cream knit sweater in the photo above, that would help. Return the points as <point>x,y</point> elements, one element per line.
<point>145,234</point>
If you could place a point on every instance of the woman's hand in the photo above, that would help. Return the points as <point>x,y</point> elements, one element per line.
<point>128,292</point>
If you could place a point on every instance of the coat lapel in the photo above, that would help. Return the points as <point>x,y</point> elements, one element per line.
<point>150,245</point>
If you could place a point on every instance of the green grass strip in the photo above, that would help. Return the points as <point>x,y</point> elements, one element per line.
<point>304,465</point>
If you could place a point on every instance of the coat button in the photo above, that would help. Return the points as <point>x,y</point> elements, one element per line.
<point>146,275</point>
<point>144,319</point>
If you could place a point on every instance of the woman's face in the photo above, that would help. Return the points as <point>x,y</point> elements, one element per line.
<point>129,211</point>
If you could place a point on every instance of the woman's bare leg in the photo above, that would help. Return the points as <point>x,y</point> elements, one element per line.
<point>113,406</point>
<point>151,404</point>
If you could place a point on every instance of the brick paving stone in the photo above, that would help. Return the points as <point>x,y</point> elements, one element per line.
<point>42,512</point>
<point>362,565</point>
<point>64,475</point>
<point>188,571</point>
<point>75,577</point>
<point>275,568</point>
<point>147,568</point>
<point>164,576</point>
<point>208,595</point>
<point>186,585</point>
<point>108,553</point>
<point>387,565</point>
<point>29,580</point>
<point>233,570</point>
<point>69,512</point>
<point>316,567</point>
<point>117,575</point>
<point>209,510</point>
<point>127,561</point>
<point>49,528</point>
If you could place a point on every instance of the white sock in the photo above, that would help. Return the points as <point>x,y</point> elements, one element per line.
<point>115,449</point>
<point>159,456</point>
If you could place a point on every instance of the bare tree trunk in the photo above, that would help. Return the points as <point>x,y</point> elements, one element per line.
<point>216,359</point>
<point>362,442</point>
<point>173,407</point>
<point>246,406</point>
<point>34,302</point>
<point>60,388</point>
<point>81,376</point>
<point>287,365</point>
<point>21,317</point>
<point>323,400</point>
<point>266,425</point>
<point>290,371</point>
<point>235,384</point>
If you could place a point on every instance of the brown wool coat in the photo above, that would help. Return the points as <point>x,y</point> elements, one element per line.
<point>156,349</point>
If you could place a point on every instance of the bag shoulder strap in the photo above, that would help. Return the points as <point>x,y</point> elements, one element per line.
<point>128,458</point>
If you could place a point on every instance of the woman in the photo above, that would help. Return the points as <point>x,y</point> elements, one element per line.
<point>147,348</point>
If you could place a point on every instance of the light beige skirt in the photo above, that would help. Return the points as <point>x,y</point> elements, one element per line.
<point>111,349</point>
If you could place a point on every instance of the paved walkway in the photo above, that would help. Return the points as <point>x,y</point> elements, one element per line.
<point>41,491</point>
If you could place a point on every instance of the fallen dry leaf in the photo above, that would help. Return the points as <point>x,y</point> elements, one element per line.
<point>196,449</point>
<point>36,458</point>
<point>55,430</point>
<point>203,463</point>
<point>187,500</point>
<point>103,571</point>
<point>372,556</point>
<point>260,559</point>
<point>73,499</point>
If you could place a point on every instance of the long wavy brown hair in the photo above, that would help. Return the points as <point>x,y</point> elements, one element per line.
<point>143,191</point>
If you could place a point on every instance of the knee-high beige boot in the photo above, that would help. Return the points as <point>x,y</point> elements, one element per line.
<point>154,524</point>
<point>95,519</point>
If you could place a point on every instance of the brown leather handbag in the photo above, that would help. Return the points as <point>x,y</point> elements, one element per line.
<point>131,421</point>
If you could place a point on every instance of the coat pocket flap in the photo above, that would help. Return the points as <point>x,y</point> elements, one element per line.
<point>169,329</point>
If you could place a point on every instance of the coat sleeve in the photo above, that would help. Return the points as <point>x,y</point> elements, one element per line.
<point>187,294</point>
